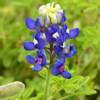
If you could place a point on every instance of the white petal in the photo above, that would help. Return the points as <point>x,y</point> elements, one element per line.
<point>41,20</point>
<point>43,10</point>
<point>56,35</point>
<point>58,8</point>
<point>35,41</point>
<point>43,36</point>
<point>48,6</point>
<point>53,18</point>
<point>47,20</point>
<point>67,30</point>
<point>59,17</point>
<point>76,24</point>
<point>66,50</point>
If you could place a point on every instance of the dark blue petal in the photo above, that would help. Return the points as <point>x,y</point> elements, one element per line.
<point>58,63</point>
<point>30,23</point>
<point>66,74</point>
<point>55,27</point>
<point>72,52</point>
<point>64,33</point>
<point>54,71</point>
<point>41,43</point>
<point>37,35</point>
<point>66,36</point>
<point>60,39</point>
<point>64,27</point>
<point>49,35</point>
<point>28,45</point>
<point>30,59</point>
<point>41,53</point>
<point>50,31</point>
<point>44,62</point>
<point>63,18</point>
<point>38,23</point>
<point>58,49</point>
<point>37,67</point>
<point>74,33</point>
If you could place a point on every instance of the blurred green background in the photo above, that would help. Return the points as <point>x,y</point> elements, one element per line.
<point>13,33</point>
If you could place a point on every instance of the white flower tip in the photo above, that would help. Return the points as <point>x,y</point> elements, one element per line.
<point>53,18</point>
<point>76,24</point>
<point>35,41</point>
<point>43,10</point>
<point>55,35</point>
<point>43,36</point>
<point>67,30</point>
<point>50,11</point>
<point>66,50</point>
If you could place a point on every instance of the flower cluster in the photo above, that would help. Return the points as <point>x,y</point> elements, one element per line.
<point>52,35</point>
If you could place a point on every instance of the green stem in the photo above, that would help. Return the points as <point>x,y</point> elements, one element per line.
<point>47,86</point>
<point>48,76</point>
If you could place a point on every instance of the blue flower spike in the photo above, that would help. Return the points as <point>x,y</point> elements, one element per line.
<point>50,38</point>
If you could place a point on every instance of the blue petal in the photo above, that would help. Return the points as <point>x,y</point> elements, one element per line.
<point>37,35</point>
<point>58,49</point>
<point>64,27</point>
<point>49,35</point>
<point>37,67</point>
<point>63,31</point>
<point>54,71</point>
<point>44,62</point>
<point>38,23</point>
<point>58,63</point>
<point>63,18</point>
<point>41,43</point>
<point>50,31</point>
<point>30,23</point>
<point>55,27</point>
<point>74,33</point>
<point>40,53</point>
<point>29,46</point>
<point>66,74</point>
<point>72,52</point>
<point>30,59</point>
<point>60,39</point>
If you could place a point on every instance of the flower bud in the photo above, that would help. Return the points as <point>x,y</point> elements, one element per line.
<point>50,13</point>
<point>43,10</point>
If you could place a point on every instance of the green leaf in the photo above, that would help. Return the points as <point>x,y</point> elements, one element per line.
<point>28,92</point>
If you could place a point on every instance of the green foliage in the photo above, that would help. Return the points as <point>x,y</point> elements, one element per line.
<point>60,88</point>
<point>86,62</point>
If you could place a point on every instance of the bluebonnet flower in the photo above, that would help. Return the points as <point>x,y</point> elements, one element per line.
<point>58,68</point>
<point>66,52</point>
<point>51,37</point>
<point>39,61</point>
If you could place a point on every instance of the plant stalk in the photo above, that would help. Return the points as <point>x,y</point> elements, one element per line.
<point>47,86</point>
<point>48,76</point>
